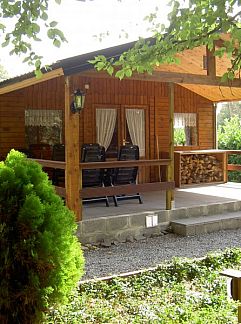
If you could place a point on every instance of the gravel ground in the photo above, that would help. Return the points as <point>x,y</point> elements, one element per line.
<point>150,252</point>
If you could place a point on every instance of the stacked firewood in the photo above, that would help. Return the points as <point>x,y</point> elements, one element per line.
<point>197,168</point>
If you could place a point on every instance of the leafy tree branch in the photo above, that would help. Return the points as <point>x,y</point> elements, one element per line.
<point>20,24</point>
<point>195,23</point>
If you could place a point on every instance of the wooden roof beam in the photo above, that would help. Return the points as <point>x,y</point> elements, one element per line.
<point>211,63</point>
<point>175,77</point>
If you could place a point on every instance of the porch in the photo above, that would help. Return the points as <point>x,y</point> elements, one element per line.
<point>133,221</point>
<point>186,197</point>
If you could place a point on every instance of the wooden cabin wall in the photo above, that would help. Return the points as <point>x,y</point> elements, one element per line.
<point>114,93</point>
<point>45,95</point>
<point>107,92</point>
<point>12,132</point>
<point>189,102</point>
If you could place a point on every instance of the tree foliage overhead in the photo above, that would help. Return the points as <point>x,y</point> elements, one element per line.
<point>191,23</point>
<point>20,24</point>
<point>228,110</point>
<point>3,73</point>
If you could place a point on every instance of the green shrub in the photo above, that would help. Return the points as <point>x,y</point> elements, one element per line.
<point>229,138</point>
<point>40,260</point>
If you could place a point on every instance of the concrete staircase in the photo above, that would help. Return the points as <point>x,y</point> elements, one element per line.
<point>215,218</point>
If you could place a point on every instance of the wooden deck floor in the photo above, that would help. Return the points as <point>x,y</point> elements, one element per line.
<point>185,197</point>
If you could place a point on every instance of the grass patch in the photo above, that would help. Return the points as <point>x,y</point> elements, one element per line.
<point>180,291</point>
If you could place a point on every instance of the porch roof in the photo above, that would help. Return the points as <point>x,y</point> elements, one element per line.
<point>191,61</point>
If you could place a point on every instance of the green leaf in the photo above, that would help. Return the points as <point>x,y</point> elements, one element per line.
<point>224,77</point>
<point>128,73</point>
<point>53,24</point>
<point>110,70</point>
<point>57,42</point>
<point>2,26</point>
<point>35,28</point>
<point>120,74</point>
<point>44,16</point>
<point>51,34</point>
<point>38,73</point>
<point>100,66</point>
<point>37,64</point>
<point>6,43</point>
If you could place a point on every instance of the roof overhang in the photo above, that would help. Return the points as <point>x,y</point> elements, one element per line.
<point>31,80</point>
<point>206,86</point>
<point>215,93</point>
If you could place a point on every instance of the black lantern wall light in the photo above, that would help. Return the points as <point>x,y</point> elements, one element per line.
<point>79,100</point>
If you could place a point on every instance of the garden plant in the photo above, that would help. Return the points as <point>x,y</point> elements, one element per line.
<point>41,260</point>
<point>178,291</point>
<point>229,138</point>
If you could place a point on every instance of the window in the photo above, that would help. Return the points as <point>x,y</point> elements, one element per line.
<point>43,126</point>
<point>185,129</point>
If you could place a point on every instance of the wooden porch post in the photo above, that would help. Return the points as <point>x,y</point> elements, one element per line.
<point>72,156</point>
<point>170,169</point>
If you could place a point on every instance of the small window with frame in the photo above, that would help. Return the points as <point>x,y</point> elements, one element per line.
<point>43,126</point>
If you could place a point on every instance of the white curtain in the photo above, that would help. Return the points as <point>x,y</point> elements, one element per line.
<point>136,124</point>
<point>184,119</point>
<point>43,117</point>
<point>105,125</point>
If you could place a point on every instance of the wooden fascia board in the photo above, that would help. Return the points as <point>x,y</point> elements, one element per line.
<point>31,81</point>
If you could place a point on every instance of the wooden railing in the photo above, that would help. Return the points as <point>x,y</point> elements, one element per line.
<point>121,189</point>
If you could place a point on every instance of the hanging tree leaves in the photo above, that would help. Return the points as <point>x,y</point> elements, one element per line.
<point>194,23</point>
<point>191,23</point>
<point>20,24</point>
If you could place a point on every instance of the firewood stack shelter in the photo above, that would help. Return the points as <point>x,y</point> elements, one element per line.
<point>178,92</point>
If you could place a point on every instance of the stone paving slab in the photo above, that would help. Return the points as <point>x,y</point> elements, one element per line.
<point>207,224</point>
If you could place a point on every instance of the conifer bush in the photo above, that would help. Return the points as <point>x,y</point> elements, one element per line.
<point>40,257</point>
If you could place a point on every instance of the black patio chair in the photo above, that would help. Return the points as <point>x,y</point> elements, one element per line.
<point>58,154</point>
<point>93,177</point>
<point>26,151</point>
<point>127,175</point>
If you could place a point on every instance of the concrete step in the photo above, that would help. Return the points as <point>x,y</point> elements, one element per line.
<point>206,224</point>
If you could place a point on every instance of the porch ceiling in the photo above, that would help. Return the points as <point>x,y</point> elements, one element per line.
<point>215,93</point>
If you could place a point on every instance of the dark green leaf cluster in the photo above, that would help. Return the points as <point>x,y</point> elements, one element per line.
<point>40,257</point>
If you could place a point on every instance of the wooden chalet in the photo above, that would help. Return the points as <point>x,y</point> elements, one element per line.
<point>184,93</point>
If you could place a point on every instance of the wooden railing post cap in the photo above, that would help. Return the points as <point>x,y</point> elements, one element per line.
<point>231,273</point>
